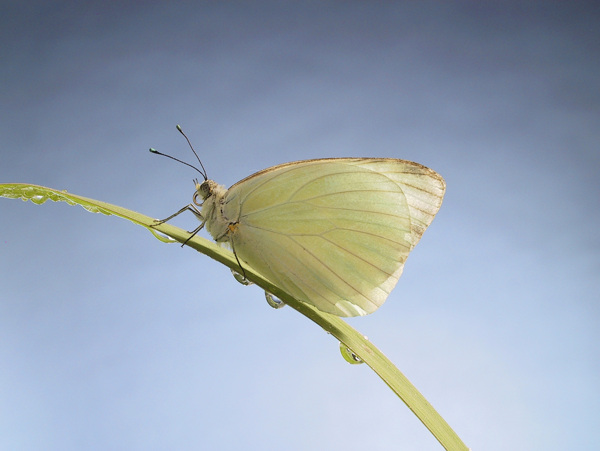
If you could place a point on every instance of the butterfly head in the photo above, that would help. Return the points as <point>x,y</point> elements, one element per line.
<point>204,190</point>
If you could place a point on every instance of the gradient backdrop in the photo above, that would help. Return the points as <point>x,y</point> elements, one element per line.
<point>111,340</point>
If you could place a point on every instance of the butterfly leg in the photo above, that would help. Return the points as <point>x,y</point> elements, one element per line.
<point>229,237</point>
<point>238,260</point>
<point>193,233</point>
<point>193,209</point>
<point>189,207</point>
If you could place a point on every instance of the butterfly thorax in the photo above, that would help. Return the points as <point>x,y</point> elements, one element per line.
<point>213,196</point>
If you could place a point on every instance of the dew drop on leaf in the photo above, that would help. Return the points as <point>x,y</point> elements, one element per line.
<point>274,301</point>
<point>240,278</point>
<point>38,199</point>
<point>349,355</point>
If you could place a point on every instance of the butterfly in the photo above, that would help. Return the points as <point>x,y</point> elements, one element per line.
<point>334,233</point>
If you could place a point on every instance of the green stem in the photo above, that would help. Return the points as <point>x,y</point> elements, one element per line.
<point>355,341</point>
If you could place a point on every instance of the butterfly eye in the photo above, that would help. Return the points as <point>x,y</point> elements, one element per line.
<point>203,191</point>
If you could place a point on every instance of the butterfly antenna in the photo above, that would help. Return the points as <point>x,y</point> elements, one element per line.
<point>192,147</point>
<point>153,150</point>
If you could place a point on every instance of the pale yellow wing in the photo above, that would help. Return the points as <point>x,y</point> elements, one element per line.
<point>334,233</point>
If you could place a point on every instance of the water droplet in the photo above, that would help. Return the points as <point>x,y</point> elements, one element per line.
<point>91,208</point>
<point>38,199</point>
<point>274,301</point>
<point>240,278</point>
<point>162,237</point>
<point>349,355</point>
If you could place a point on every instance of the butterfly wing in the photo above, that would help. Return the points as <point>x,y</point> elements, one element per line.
<point>334,233</point>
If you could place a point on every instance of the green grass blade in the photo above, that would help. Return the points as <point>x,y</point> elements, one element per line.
<point>337,327</point>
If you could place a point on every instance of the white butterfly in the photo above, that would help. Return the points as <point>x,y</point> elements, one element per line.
<point>333,233</point>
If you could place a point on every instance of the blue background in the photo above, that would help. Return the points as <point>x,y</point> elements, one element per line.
<point>110,339</point>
